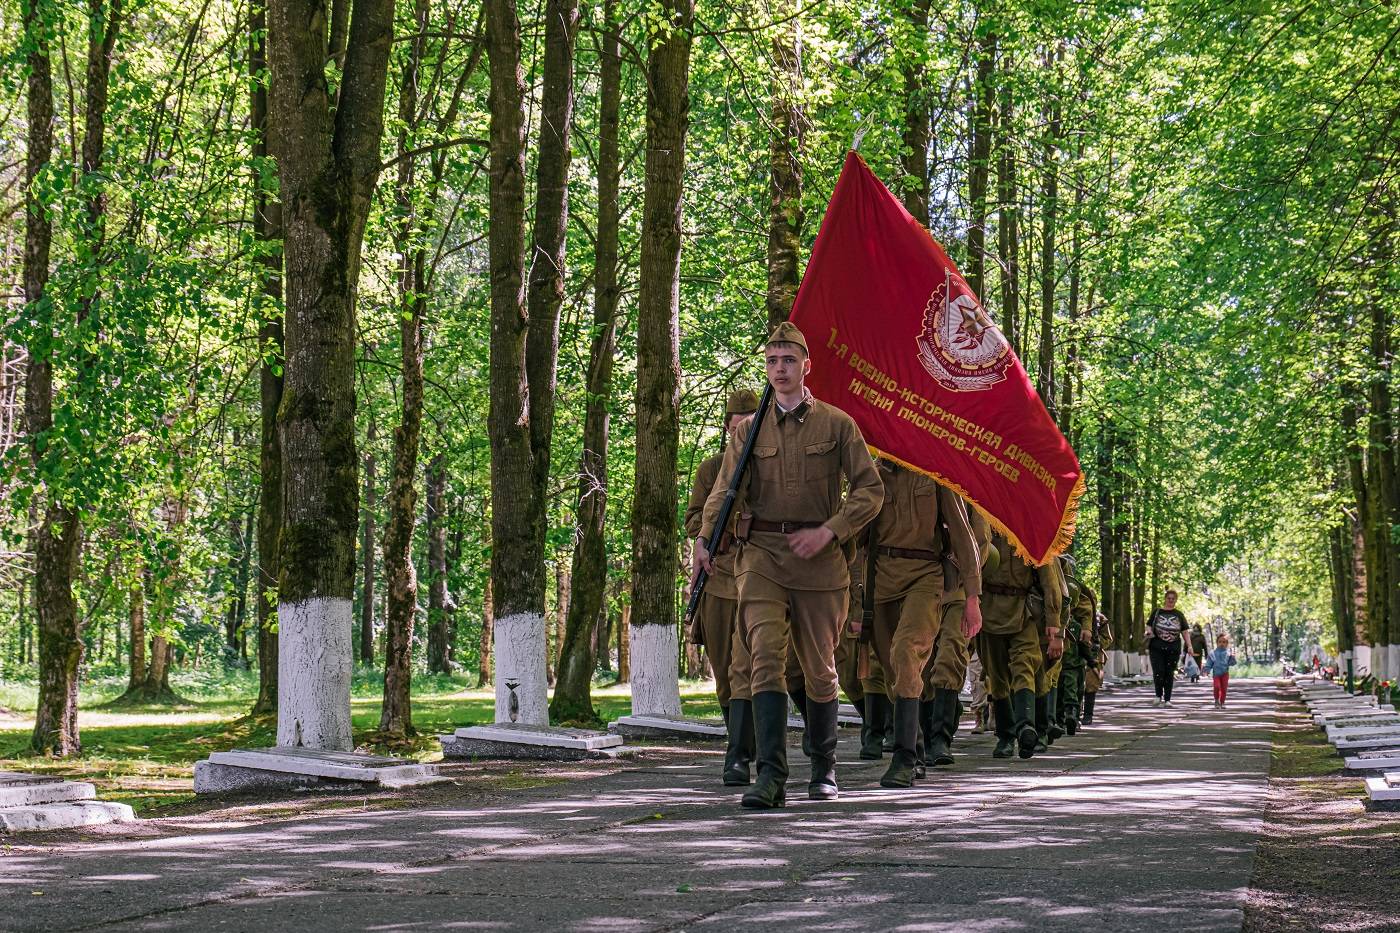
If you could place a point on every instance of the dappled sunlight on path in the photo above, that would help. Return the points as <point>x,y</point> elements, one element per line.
<point>1147,819</point>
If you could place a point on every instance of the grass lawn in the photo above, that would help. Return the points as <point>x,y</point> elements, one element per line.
<point>145,755</point>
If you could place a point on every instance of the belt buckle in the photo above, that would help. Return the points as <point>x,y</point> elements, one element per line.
<point>784,528</point>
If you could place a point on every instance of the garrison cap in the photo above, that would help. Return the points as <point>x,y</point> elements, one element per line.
<point>787,332</point>
<point>741,402</point>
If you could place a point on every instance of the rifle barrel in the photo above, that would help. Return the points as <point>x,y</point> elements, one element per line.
<point>730,496</point>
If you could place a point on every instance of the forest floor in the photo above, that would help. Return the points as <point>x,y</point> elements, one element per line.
<point>1182,819</point>
<point>145,755</point>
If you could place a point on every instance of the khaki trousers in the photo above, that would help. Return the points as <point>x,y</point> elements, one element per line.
<point>781,623</point>
<point>716,617</point>
<point>1047,675</point>
<point>905,630</point>
<point>947,669</point>
<point>1010,661</point>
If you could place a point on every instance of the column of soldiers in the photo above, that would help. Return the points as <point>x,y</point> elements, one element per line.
<point>839,573</point>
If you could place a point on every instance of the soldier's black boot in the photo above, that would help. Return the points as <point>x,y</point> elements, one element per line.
<point>799,700</point>
<point>1004,722</point>
<point>877,720</point>
<point>1069,716</point>
<point>941,719</point>
<point>821,725</point>
<point>906,734</point>
<point>1052,703</point>
<point>922,758</point>
<point>739,753</point>
<point>1023,708</point>
<point>770,733</point>
<point>1042,723</point>
<point>1088,719</point>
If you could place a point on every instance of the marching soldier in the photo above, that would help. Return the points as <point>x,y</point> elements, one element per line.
<point>1093,673</point>
<point>791,568</point>
<point>906,581</point>
<point>1047,709</point>
<point>1078,651</point>
<point>948,667</point>
<point>1009,644</point>
<point>713,626</point>
<point>866,693</point>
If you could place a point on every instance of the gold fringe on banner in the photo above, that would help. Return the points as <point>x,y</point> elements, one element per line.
<point>1064,535</point>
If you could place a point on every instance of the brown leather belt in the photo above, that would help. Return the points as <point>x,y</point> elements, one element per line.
<point>782,528</point>
<point>912,553</point>
<point>999,590</point>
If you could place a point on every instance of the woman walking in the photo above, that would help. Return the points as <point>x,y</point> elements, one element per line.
<point>1166,629</point>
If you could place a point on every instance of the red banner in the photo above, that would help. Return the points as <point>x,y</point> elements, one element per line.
<point>900,343</point>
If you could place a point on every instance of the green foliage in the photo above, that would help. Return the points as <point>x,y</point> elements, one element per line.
<point>1216,173</point>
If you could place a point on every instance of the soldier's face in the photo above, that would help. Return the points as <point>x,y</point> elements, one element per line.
<point>787,366</point>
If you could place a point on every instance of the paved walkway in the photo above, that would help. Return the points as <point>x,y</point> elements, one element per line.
<point>1148,821</point>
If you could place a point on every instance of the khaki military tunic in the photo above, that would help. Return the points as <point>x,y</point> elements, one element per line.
<point>719,604</point>
<point>1009,644</point>
<point>909,583</point>
<point>801,461</point>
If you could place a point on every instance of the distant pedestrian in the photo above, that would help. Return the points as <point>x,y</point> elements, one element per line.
<point>1198,641</point>
<point>1166,632</point>
<point>1218,664</point>
<point>1192,669</point>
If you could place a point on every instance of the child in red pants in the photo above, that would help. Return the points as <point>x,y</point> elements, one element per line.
<point>1218,664</point>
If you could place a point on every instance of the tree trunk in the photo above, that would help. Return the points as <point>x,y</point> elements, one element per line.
<point>488,620</point>
<point>573,701</point>
<point>785,168</point>
<point>653,648</point>
<point>624,644</point>
<point>517,514</point>
<point>603,641</point>
<point>57,542</point>
<point>368,596</point>
<point>1049,216</point>
<point>1074,368</point>
<point>440,605</point>
<point>917,116</point>
<point>400,576</point>
<point>328,158</point>
<point>156,687</point>
<point>983,106</point>
<point>914,187</point>
<point>1008,216</point>
<point>136,614</point>
<point>267,233</point>
<point>545,290</point>
<point>235,641</point>
<point>1383,570</point>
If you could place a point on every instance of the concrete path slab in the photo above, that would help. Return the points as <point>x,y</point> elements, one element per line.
<point>1060,842</point>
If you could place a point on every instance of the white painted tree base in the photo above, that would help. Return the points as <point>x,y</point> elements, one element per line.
<point>313,673</point>
<point>655,670</point>
<point>522,685</point>
<point>1362,659</point>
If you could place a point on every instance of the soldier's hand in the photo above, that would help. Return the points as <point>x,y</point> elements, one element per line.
<point>700,559</point>
<point>1056,646</point>
<point>972,617</point>
<point>808,542</point>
